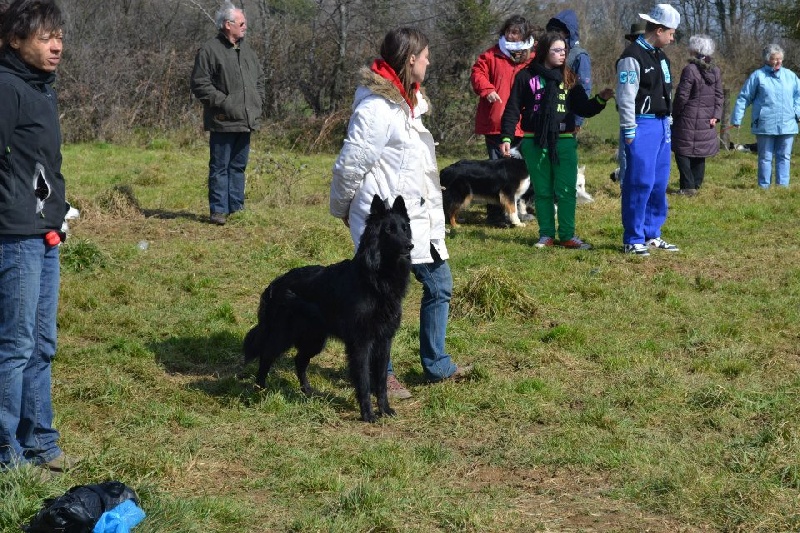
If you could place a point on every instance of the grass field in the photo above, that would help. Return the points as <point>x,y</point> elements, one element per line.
<point>611,393</point>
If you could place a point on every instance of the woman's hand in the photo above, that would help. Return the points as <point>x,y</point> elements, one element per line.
<point>606,94</point>
<point>493,97</point>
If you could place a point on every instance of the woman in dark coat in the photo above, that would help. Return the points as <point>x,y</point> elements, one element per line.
<point>697,108</point>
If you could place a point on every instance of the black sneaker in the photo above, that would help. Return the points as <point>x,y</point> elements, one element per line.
<point>218,218</point>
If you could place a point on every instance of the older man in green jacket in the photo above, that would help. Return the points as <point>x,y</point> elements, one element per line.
<point>228,80</point>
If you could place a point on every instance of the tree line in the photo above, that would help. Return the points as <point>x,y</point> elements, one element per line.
<point>127,62</point>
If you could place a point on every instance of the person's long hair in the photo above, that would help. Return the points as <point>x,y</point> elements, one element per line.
<point>396,49</point>
<point>543,51</point>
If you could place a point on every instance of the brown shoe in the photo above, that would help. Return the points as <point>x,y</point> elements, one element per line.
<point>462,372</point>
<point>396,390</point>
<point>218,218</point>
<point>62,463</point>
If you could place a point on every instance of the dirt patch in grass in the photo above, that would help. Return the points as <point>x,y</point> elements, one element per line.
<point>568,501</point>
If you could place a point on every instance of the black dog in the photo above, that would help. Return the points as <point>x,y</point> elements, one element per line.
<point>495,181</point>
<point>358,301</point>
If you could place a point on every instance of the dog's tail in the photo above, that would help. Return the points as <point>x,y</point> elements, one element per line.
<point>252,341</point>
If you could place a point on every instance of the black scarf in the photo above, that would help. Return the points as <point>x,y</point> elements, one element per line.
<point>546,122</point>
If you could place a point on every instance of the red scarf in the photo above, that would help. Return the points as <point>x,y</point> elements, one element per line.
<point>384,70</point>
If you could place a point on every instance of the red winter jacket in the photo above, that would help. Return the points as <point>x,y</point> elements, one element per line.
<point>493,71</point>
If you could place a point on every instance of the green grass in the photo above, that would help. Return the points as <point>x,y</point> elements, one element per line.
<point>611,393</point>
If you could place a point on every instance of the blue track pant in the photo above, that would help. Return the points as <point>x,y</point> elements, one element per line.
<point>644,189</point>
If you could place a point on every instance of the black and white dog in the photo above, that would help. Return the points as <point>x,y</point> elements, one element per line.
<point>495,181</point>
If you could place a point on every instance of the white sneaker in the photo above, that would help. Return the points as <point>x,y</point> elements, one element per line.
<point>636,249</point>
<point>660,244</point>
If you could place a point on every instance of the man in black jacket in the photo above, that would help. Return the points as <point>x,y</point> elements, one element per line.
<point>228,80</point>
<point>32,209</point>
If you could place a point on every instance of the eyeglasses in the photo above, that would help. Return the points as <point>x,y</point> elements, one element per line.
<point>241,24</point>
<point>558,50</point>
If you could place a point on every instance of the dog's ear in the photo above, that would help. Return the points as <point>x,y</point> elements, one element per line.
<point>399,206</point>
<point>378,206</point>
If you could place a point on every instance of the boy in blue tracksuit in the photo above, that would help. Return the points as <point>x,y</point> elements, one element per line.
<point>644,100</point>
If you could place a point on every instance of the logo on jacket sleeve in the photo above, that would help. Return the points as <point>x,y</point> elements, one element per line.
<point>628,77</point>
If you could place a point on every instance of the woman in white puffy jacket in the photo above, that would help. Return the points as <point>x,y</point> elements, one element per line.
<point>389,152</point>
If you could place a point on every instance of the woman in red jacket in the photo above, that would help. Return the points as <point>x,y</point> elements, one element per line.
<point>492,76</point>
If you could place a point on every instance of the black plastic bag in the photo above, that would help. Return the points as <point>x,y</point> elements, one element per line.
<point>79,509</point>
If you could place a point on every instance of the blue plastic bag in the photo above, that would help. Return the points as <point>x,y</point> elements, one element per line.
<point>120,519</point>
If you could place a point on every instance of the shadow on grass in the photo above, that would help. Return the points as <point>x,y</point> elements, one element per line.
<point>171,215</point>
<point>218,362</point>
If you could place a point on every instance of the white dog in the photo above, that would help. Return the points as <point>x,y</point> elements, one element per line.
<point>582,196</point>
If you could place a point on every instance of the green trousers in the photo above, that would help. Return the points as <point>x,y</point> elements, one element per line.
<point>553,182</point>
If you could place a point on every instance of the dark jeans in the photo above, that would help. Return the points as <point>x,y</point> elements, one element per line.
<point>692,169</point>
<point>229,153</point>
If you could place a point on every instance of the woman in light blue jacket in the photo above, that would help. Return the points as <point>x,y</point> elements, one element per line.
<point>774,93</point>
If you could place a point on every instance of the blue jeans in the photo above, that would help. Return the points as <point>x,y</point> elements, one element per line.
<point>437,288</point>
<point>644,189</point>
<point>779,147</point>
<point>226,165</point>
<point>29,282</point>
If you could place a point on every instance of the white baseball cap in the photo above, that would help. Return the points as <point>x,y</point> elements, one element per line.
<point>663,14</point>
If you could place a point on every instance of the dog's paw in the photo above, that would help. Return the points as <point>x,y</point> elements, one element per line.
<point>369,417</point>
<point>388,412</point>
<point>520,225</point>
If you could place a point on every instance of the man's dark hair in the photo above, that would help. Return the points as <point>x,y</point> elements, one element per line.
<point>23,18</point>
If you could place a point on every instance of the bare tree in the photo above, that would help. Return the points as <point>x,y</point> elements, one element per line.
<point>127,63</point>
